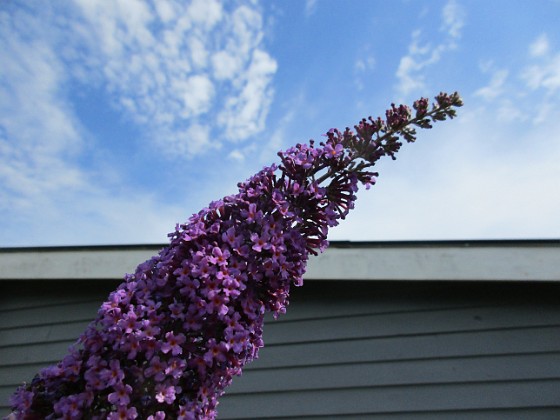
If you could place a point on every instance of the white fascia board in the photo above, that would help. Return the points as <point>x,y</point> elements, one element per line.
<point>441,262</point>
<point>456,263</point>
<point>66,263</point>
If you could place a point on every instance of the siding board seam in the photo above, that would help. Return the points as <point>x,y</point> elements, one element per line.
<point>393,386</point>
<point>418,334</point>
<point>39,365</point>
<point>398,312</point>
<point>52,305</point>
<point>407,412</point>
<point>37,343</point>
<point>58,323</point>
<point>366,362</point>
<point>405,360</point>
<point>333,340</point>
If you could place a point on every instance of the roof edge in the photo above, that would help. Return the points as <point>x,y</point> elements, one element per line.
<point>507,260</point>
<point>333,244</point>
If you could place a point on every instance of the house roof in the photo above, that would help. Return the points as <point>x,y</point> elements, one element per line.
<point>495,260</point>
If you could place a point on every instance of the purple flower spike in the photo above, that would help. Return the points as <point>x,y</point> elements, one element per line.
<point>170,339</point>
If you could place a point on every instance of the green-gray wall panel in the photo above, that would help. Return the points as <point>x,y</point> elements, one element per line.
<point>346,349</point>
<point>407,351</point>
<point>38,322</point>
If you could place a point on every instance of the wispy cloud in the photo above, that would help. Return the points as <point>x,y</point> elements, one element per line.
<point>453,20</point>
<point>167,65</point>
<point>38,130</point>
<point>310,7</point>
<point>244,114</point>
<point>495,87</point>
<point>493,171</point>
<point>363,67</point>
<point>543,75</point>
<point>161,63</point>
<point>512,92</point>
<point>540,46</point>
<point>421,55</point>
<point>544,71</point>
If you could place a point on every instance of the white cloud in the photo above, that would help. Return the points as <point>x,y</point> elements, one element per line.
<point>226,65</point>
<point>527,93</point>
<point>363,67</point>
<point>408,80</point>
<point>37,128</point>
<point>199,54</point>
<point>237,155</point>
<point>495,87</point>
<point>165,10</point>
<point>166,61</point>
<point>197,93</point>
<point>198,137</point>
<point>205,12</point>
<point>492,172</point>
<point>310,7</point>
<point>422,55</point>
<point>92,216</point>
<point>245,114</point>
<point>157,62</point>
<point>246,32</point>
<point>540,46</point>
<point>453,19</point>
<point>544,71</point>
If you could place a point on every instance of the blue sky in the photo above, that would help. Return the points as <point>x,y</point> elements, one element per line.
<point>119,119</point>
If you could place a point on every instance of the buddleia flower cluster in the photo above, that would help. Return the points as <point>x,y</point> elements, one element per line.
<point>170,338</point>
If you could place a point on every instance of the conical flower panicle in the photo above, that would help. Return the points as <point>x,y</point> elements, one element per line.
<point>171,337</point>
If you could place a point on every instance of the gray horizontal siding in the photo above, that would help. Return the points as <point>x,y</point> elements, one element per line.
<point>526,340</point>
<point>352,350</point>
<point>407,351</point>
<point>420,371</point>
<point>409,399</point>
<point>38,322</point>
<point>494,414</point>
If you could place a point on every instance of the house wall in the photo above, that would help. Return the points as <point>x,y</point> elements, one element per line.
<point>407,350</point>
<point>39,320</point>
<point>346,348</point>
